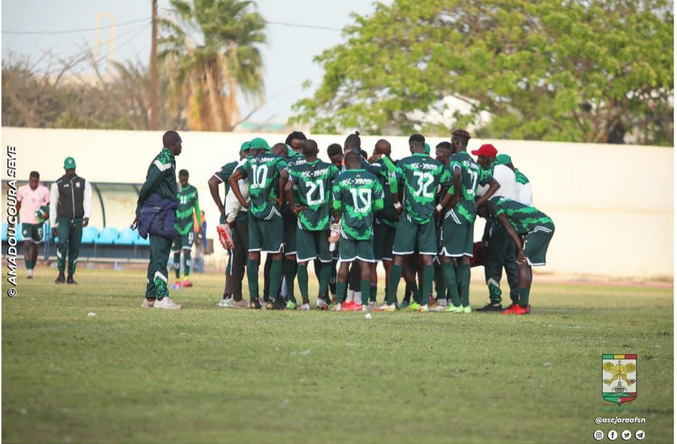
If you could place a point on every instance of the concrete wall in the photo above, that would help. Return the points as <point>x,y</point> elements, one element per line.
<point>612,205</point>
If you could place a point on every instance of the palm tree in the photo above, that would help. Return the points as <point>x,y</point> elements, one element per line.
<point>211,53</point>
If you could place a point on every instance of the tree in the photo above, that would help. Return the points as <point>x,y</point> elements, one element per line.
<point>566,70</point>
<point>211,53</point>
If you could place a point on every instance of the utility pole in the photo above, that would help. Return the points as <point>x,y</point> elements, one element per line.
<point>153,72</point>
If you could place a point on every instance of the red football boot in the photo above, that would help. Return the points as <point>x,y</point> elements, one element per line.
<point>517,310</point>
<point>351,306</point>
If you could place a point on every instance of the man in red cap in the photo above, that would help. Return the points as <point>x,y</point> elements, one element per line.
<point>499,250</point>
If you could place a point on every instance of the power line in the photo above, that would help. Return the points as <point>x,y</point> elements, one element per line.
<point>70,31</point>
<point>297,25</point>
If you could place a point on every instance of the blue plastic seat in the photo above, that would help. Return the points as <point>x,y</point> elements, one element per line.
<point>19,234</point>
<point>141,241</point>
<point>127,237</point>
<point>4,231</point>
<point>107,236</point>
<point>89,234</point>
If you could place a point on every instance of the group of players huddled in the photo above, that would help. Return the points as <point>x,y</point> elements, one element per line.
<point>416,215</point>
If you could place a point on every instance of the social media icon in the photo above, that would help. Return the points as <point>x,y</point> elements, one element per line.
<point>612,435</point>
<point>626,435</point>
<point>599,435</point>
<point>640,435</point>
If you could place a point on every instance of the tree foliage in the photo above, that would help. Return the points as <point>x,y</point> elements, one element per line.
<point>211,53</point>
<point>565,70</point>
<point>59,98</point>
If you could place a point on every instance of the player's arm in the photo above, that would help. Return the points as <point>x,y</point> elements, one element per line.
<point>19,198</point>
<point>377,197</point>
<point>453,195</point>
<point>503,220</point>
<point>284,178</point>
<point>237,175</point>
<point>213,183</point>
<point>198,213</point>
<point>337,201</point>
<point>493,186</point>
<point>88,203</point>
<point>53,202</point>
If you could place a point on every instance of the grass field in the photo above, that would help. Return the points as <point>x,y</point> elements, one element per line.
<point>206,374</point>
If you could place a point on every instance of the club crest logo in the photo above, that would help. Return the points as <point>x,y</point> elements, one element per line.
<point>619,378</point>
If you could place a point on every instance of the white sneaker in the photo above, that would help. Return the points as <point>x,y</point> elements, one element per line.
<point>167,304</point>
<point>147,304</point>
<point>226,302</point>
<point>337,307</point>
<point>372,305</point>
<point>305,307</point>
<point>29,274</point>
<point>366,308</point>
<point>321,304</point>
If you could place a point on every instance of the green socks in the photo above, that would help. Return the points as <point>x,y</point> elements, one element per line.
<point>428,272</point>
<point>341,288</point>
<point>452,285</point>
<point>372,292</point>
<point>395,275</point>
<point>253,279</point>
<point>30,265</point>
<point>303,282</point>
<point>290,267</point>
<point>177,265</point>
<point>524,296</point>
<point>463,275</point>
<point>275,278</point>
<point>186,264</point>
<point>325,275</point>
<point>365,285</point>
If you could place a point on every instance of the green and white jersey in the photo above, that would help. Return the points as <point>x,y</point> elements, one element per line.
<point>523,218</point>
<point>160,178</point>
<point>357,194</point>
<point>520,177</point>
<point>225,172</point>
<point>188,203</point>
<point>313,183</point>
<point>472,175</point>
<point>421,175</point>
<point>388,215</point>
<point>263,174</point>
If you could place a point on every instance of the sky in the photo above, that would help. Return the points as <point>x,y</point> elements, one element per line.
<point>288,56</point>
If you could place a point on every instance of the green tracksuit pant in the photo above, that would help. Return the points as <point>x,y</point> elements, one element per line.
<point>500,252</point>
<point>69,232</point>
<point>156,278</point>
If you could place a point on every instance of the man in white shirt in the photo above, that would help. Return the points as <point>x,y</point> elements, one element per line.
<point>33,198</point>
<point>499,250</point>
<point>69,211</point>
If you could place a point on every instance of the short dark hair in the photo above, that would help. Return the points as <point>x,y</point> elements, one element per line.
<point>334,149</point>
<point>461,134</point>
<point>364,154</point>
<point>353,141</point>
<point>183,173</point>
<point>417,138</point>
<point>444,145</point>
<point>351,156</point>
<point>295,135</point>
<point>35,174</point>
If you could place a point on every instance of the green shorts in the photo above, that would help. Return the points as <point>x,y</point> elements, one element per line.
<point>266,235</point>
<point>535,244</point>
<point>457,238</point>
<point>411,237</point>
<point>351,249</point>
<point>384,237</point>
<point>313,245</point>
<point>183,242</point>
<point>290,225</point>
<point>32,232</point>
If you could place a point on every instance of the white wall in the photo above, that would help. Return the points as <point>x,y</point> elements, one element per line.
<point>612,204</point>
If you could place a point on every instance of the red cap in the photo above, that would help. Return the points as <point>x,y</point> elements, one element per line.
<point>486,150</point>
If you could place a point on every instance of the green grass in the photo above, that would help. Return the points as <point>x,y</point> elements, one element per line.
<point>206,374</point>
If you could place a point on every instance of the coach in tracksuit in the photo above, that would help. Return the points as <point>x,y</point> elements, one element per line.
<point>70,208</point>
